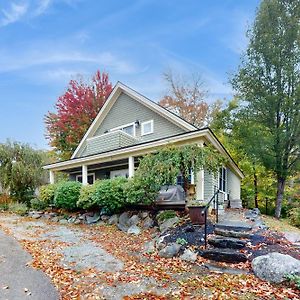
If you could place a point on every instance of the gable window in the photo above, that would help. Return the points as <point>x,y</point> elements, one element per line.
<point>128,128</point>
<point>147,127</point>
<point>222,179</point>
<point>90,179</point>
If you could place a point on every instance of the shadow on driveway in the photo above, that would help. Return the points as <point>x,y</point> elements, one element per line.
<point>18,281</point>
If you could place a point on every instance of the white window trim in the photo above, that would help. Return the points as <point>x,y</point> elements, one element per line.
<point>123,126</point>
<point>89,174</point>
<point>142,127</point>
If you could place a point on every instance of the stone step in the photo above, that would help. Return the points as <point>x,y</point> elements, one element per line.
<point>225,255</point>
<point>233,226</point>
<point>233,234</point>
<point>222,242</point>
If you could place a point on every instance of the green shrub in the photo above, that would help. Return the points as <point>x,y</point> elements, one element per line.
<point>110,195</point>
<point>4,206</point>
<point>38,204</point>
<point>141,190</point>
<point>86,199</point>
<point>18,208</point>
<point>47,193</point>
<point>294,216</point>
<point>67,194</point>
<point>181,241</point>
<point>294,279</point>
<point>165,215</point>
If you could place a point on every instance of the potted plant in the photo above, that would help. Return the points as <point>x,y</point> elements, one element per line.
<point>196,211</point>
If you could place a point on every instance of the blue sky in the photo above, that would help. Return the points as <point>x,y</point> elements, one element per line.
<point>45,43</point>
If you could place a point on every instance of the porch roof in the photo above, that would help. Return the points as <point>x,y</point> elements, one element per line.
<point>196,136</point>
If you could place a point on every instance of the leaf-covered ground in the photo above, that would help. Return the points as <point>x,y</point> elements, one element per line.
<point>141,276</point>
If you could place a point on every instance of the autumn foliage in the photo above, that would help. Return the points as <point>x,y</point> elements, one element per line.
<point>75,111</point>
<point>186,98</point>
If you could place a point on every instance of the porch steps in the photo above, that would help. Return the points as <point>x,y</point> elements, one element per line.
<point>225,246</point>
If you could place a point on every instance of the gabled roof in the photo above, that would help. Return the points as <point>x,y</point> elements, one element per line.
<point>116,92</point>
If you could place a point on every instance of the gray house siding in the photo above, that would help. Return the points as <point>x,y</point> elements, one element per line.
<point>127,110</point>
<point>209,183</point>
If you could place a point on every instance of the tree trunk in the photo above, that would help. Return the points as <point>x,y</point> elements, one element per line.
<point>255,190</point>
<point>279,196</point>
<point>255,186</point>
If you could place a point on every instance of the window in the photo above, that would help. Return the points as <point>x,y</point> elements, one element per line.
<point>119,173</point>
<point>222,179</point>
<point>91,178</point>
<point>147,127</point>
<point>128,128</point>
<point>180,178</point>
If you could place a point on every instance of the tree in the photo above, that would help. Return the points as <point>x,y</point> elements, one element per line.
<point>187,100</point>
<point>20,170</point>
<point>235,134</point>
<point>75,111</point>
<point>268,81</point>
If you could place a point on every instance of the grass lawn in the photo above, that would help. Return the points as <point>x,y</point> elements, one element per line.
<point>281,225</point>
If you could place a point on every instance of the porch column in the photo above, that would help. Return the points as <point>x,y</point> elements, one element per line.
<point>51,177</point>
<point>130,166</point>
<point>200,185</point>
<point>192,176</point>
<point>200,181</point>
<point>84,175</point>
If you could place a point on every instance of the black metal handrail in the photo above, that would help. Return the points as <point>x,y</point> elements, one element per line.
<point>215,200</point>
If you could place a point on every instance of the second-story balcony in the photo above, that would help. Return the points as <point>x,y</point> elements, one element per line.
<point>108,141</point>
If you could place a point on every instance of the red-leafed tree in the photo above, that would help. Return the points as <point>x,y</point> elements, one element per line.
<point>75,111</point>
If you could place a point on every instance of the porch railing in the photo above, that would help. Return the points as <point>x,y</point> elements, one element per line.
<point>215,200</point>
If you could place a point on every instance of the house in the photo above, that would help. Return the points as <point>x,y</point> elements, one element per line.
<point>129,126</point>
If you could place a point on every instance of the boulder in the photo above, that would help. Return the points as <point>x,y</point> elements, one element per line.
<point>77,222</point>
<point>113,220</point>
<point>275,266</point>
<point>134,220</point>
<point>124,219</point>
<point>55,219</point>
<point>63,221</point>
<point>36,216</point>
<point>144,214</point>
<point>170,250</point>
<point>168,224</point>
<point>122,227</point>
<point>72,220</point>
<point>52,214</point>
<point>105,218</point>
<point>148,223</point>
<point>149,247</point>
<point>189,255</point>
<point>93,219</point>
<point>133,229</point>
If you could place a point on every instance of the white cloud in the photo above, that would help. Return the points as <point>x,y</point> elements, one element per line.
<point>33,58</point>
<point>236,39</point>
<point>42,6</point>
<point>14,13</point>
